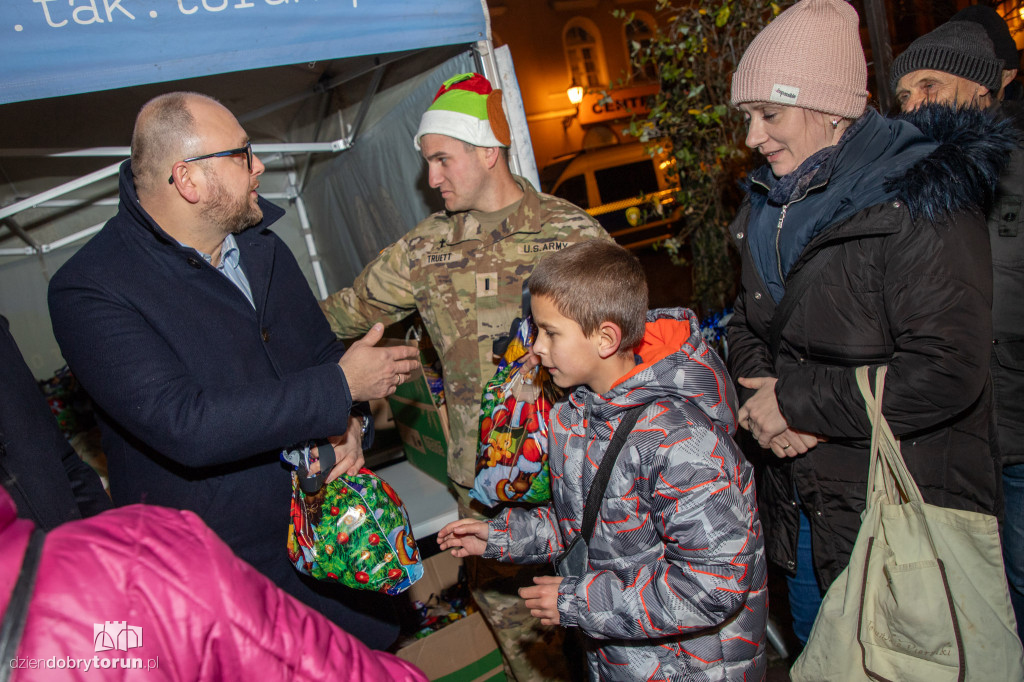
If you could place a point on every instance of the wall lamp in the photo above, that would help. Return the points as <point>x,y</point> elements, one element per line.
<point>575,94</point>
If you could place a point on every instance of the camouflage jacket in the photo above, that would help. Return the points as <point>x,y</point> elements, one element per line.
<point>676,557</point>
<point>468,288</point>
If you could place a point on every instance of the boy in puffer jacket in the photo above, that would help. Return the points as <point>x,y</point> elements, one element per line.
<point>675,582</point>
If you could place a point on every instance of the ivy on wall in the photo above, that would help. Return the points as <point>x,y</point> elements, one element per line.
<point>695,50</point>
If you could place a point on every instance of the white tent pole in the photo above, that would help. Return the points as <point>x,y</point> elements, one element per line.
<point>22,251</point>
<point>81,234</point>
<point>124,152</point>
<point>75,203</point>
<point>517,115</point>
<point>68,187</point>
<point>114,201</point>
<point>63,241</point>
<point>497,67</point>
<point>59,190</point>
<point>307,233</point>
<point>89,231</point>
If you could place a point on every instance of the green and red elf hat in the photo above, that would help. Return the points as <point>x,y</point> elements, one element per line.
<point>467,108</point>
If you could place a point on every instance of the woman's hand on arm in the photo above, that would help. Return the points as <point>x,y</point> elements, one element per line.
<point>761,416</point>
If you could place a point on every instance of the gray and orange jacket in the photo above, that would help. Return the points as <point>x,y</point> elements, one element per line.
<point>676,582</point>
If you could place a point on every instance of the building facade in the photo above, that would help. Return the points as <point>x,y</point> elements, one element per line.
<point>556,44</point>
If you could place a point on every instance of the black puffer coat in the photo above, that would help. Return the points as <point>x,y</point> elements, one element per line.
<point>910,286</point>
<point>1006,233</point>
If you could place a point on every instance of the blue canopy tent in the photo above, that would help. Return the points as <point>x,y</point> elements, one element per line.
<point>55,48</point>
<point>308,79</point>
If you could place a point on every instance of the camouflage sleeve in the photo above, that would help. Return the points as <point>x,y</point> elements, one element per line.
<point>705,522</point>
<point>524,536</point>
<point>383,292</point>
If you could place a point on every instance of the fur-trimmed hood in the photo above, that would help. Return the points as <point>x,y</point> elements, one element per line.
<point>937,160</point>
<point>962,172</point>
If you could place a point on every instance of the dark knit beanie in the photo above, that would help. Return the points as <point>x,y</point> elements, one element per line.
<point>961,48</point>
<point>997,30</point>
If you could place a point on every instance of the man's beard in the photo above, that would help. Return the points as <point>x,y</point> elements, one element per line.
<point>232,215</point>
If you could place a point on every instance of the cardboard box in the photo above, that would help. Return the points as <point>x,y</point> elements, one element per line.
<point>464,651</point>
<point>422,424</point>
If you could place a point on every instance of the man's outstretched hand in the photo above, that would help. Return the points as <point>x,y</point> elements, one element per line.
<point>374,372</point>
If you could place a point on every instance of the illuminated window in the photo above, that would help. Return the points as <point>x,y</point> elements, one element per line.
<point>584,54</point>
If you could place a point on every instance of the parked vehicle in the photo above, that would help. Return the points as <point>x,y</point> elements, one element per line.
<point>630,192</point>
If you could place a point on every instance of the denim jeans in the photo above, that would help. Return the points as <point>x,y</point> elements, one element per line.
<point>804,594</point>
<point>1013,537</point>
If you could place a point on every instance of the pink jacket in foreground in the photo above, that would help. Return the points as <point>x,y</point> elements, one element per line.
<point>160,577</point>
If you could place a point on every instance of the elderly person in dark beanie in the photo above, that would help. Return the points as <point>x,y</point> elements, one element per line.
<point>1002,42</point>
<point>944,66</point>
<point>954,64</point>
<point>862,243</point>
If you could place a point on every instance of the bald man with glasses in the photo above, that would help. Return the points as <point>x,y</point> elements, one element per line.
<point>198,338</point>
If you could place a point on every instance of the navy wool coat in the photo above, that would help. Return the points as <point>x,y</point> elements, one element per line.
<point>197,392</point>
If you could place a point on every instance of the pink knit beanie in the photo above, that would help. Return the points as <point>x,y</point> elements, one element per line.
<point>809,56</point>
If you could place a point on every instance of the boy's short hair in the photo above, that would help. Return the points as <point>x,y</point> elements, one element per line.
<point>594,282</point>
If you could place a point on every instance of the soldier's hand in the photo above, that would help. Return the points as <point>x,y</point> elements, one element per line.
<point>376,372</point>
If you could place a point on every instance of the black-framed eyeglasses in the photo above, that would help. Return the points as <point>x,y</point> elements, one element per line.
<point>247,150</point>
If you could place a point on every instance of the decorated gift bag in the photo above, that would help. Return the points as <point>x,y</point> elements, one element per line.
<point>512,460</point>
<point>353,530</point>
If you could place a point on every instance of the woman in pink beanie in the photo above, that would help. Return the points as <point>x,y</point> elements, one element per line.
<point>862,243</point>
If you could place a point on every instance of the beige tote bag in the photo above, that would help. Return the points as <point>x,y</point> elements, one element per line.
<point>924,597</point>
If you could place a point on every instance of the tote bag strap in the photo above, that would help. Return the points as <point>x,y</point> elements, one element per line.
<point>887,469</point>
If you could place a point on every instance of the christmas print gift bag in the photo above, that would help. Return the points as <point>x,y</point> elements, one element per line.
<point>354,530</point>
<point>512,460</point>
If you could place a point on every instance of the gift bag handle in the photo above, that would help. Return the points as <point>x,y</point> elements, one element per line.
<point>311,483</point>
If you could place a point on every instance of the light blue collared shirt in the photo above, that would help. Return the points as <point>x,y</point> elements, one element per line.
<point>231,266</point>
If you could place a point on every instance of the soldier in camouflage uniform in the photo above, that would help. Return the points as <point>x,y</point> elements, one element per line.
<point>463,270</point>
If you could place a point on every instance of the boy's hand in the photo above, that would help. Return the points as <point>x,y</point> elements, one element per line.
<point>465,537</point>
<point>542,598</point>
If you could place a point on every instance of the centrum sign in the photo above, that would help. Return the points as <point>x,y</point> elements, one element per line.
<point>621,103</point>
